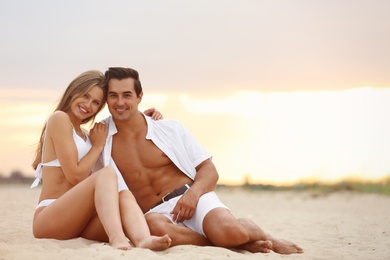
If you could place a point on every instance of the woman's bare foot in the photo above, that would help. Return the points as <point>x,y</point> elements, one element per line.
<point>122,244</point>
<point>285,247</point>
<point>156,243</point>
<point>257,246</point>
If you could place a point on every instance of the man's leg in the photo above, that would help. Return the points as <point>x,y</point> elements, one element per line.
<point>159,224</point>
<point>220,227</point>
<point>180,235</point>
<point>224,230</point>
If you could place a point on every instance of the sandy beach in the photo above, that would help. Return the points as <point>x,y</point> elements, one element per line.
<point>342,225</point>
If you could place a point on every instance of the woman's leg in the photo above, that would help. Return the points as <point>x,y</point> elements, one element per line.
<point>135,226</point>
<point>70,214</point>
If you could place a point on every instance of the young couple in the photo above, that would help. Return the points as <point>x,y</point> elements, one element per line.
<point>165,179</point>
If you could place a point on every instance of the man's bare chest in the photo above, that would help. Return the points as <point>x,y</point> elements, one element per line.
<point>137,154</point>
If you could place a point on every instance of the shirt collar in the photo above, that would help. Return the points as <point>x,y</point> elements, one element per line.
<point>112,130</point>
<point>149,125</point>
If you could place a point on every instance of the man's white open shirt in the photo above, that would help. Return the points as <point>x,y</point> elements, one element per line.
<point>170,137</point>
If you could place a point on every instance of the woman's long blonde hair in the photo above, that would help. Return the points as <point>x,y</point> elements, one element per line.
<point>78,87</point>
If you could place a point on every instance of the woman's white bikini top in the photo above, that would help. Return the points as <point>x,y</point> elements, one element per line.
<point>83,148</point>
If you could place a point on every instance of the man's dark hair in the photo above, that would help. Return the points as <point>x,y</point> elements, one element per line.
<point>123,73</point>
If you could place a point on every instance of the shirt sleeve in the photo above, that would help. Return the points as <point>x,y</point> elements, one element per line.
<point>195,151</point>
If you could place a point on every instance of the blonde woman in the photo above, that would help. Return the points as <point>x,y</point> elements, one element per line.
<point>73,202</point>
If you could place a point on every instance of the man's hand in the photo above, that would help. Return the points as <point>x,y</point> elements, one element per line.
<point>205,181</point>
<point>185,207</point>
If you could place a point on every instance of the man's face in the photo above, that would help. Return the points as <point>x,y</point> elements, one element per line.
<point>122,100</point>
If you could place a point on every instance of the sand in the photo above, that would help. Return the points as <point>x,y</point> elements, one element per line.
<point>343,225</point>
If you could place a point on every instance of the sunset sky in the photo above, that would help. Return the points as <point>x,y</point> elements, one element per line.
<point>277,90</point>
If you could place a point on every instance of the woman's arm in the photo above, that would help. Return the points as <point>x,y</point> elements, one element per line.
<point>60,130</point>
<point>154,113</point>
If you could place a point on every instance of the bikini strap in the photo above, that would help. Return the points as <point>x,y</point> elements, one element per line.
<point>38,170</point>
<point>38,176</point>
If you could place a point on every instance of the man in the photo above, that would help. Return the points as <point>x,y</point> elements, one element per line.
<point>171,176</point>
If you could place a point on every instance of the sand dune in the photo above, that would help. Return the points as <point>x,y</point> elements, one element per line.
<point>336,226</point>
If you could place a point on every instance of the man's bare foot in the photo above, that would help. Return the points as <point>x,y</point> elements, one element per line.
<point>156,243</point>
<point>257,246</point>
<point>285,247</point>
<point>121,244</point>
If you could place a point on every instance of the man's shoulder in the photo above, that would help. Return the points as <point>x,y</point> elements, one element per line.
<point>169,126</point>
<point>169,123</point>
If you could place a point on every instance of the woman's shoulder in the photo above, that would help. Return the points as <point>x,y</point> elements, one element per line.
<point>59,119</point>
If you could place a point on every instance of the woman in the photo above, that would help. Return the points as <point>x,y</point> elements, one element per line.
<point>73,202</point>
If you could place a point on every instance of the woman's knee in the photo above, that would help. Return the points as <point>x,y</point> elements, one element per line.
<point>107,173</point>
<point>109,170</point>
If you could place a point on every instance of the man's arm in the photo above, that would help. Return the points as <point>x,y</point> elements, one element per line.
<point>205,181</point>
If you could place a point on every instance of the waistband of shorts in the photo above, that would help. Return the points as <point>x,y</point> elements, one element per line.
<point>173,194</point>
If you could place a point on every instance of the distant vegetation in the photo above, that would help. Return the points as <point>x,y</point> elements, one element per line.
<point>16,177</point>
<point>382,187</point>
<point>316,188</point>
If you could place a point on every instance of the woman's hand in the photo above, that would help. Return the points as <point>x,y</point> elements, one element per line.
<point>98,135</point>
<point>154,113</point>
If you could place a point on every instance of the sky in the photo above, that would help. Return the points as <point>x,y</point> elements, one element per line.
<point>276,90</point>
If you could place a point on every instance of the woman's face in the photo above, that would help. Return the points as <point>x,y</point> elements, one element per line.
<point>88,104</point>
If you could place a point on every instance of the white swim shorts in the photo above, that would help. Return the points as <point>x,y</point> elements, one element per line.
<point>207,202</point>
